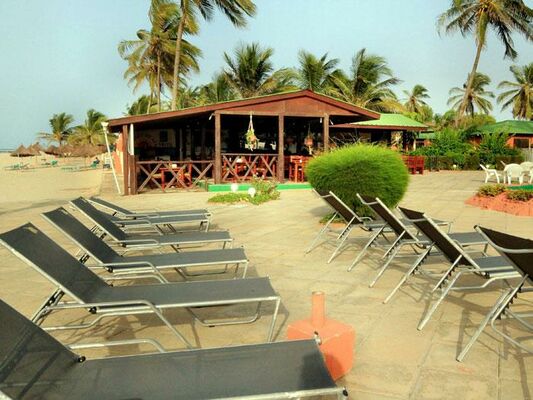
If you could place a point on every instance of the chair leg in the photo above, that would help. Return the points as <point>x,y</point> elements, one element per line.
<point>322,231</point>
<point>364,249</point>
<point>385,265</point>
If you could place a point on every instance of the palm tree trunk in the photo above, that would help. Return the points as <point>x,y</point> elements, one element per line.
<point>149,102</point>
<point>470,82</point>
<point>158,82</point>
<point>177,56</point>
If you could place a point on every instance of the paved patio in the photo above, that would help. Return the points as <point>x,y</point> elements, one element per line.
<point>392,359</point>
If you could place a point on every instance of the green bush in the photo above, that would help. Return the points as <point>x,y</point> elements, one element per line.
<point>264,191</point>
<point>472,161</point>
<point>491,190</point>
<point>361,168</point>
<point>519,195</point>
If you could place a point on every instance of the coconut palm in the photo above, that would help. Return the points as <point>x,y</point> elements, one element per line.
<point>476,17</point>
<point>144,105</point>
<point>368,85</point>
<point>61,128</point>
<point>415,99</point>
<point>520,92</point>
<point>150,56</point>
<point>315,73</point>
<point>235,10</point>
<point>91,131</point>
<point>477,97</point>
<point>250,72</point>
<point>216,91</point>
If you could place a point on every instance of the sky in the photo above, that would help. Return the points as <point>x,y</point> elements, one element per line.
<point>61,55</point>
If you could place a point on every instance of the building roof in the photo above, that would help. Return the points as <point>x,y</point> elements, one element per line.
<point>388,122</point>
<point>510,126</point>
<point>306,99</point>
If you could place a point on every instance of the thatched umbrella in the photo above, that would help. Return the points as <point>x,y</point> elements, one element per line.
<point>52,150</point>
<point>65,150</point>
<point>86,150</point>
<point>21,151</point>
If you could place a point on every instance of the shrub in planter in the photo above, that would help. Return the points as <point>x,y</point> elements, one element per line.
<point>491,190</point>
<point>361,168</point>
<point>519,195</point>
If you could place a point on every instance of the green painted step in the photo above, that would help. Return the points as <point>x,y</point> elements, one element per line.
<point>226,187</point>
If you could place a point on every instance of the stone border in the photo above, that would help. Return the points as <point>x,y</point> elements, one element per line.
<point>503,204</point>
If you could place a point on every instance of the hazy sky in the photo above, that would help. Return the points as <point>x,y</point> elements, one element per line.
<point>61,55</point>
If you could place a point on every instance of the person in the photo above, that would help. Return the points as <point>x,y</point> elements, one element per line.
<point>96,161</point>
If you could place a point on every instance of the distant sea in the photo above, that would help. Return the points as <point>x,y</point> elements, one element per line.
<point>6,150</point>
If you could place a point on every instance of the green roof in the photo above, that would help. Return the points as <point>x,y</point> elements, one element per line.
<point>396,120</point>
<point>510,126</point>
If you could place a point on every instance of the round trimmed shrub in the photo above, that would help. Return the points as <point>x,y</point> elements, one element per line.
<point>360,168</point>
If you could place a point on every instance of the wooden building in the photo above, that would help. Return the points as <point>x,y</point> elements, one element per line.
<point>181,148</point>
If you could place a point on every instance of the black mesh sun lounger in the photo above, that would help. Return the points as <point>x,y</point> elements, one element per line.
<point>138,241</point>
<point>489,268</point>
<point>34,365</point>
<point>147,223</point>
<point>90,292</point>
<point>122,212</point>
<point>405,237</point>
<point>519,252</point>
<point>95,248</point>
<point>351,220</point>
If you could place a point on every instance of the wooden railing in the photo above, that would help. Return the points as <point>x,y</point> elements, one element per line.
<point>179,174</point>
<point>241,167</point>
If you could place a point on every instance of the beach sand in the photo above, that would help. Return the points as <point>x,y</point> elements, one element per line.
<point>32,189</point>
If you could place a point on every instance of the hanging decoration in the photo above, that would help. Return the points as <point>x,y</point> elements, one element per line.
<point>308,141</point>
<point>251,139</point>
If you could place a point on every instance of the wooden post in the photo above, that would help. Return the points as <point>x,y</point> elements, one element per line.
<point>281,146</point>
<point>125,159</point>
<point>133,174</point>
<point>325,131</point>
<point>218,149</point>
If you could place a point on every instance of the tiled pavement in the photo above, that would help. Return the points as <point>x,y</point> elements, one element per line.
<point>393,360</point>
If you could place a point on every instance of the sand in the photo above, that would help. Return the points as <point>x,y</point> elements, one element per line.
<point>37,187</point>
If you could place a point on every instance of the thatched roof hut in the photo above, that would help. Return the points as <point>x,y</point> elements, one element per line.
<point>21,151</point>
<point>52,150</point>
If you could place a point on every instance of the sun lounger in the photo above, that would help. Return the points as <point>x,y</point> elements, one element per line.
<point>34,365</point>
<point>95,248</point>
<point>519,253</point>
<point>406,237</point>
<point>489,268</point>
<point>131,241</point>
<point>154,224</point>
<point>125,213</point>
<point>351,220</point>
<point>88,291</point>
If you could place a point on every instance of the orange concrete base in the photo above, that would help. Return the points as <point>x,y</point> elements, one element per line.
<point>503,204</point>
<point>336,338</point>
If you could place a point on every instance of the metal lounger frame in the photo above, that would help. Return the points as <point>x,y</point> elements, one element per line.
<point>502,306</point>
<point>129,307</point>
<point>447,281</point>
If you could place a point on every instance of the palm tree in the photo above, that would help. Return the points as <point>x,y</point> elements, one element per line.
<point>368,85</point>
<point>415,99</point>
<point>477,16</point>
<point>216,91</point>
<point>150,56</point>
<point>520,93</point>
<point>250,72</point>
<point>477,96</point>
<point>315,73</point>
<point>235,10</point>
<point>60,124</point>
<point>143,105</point>
<point>91,131</point>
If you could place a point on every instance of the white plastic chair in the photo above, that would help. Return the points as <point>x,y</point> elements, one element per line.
<point>514,171</point>
<point>490,172</point>
<point>527,167</point>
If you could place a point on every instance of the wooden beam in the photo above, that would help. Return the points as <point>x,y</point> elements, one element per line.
<point>325,131</point>
<point>281,147</point>
<point>125,159</point>
<point>218,149</point>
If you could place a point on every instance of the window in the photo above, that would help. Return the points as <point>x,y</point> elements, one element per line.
<point>163,136</point>
<point>521,143</point>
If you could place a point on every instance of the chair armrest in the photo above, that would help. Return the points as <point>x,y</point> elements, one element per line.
<point>127,342</point>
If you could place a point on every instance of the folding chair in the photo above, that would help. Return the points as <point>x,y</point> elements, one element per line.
<point>147,223</point>
<point>404,237</point>
<point>94,247</point>
<point>350,218</point>
<point>130,241</point>
<point>88,291</point>
<point>489,268</point>
<point>34,365</point>
<point>125,213</point>
<point>519,252</point>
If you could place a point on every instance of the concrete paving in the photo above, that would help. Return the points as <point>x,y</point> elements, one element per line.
<point>393,360</point>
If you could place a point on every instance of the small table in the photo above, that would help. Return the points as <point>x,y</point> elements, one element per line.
<point>296,168</point>
<point>182,175</point>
